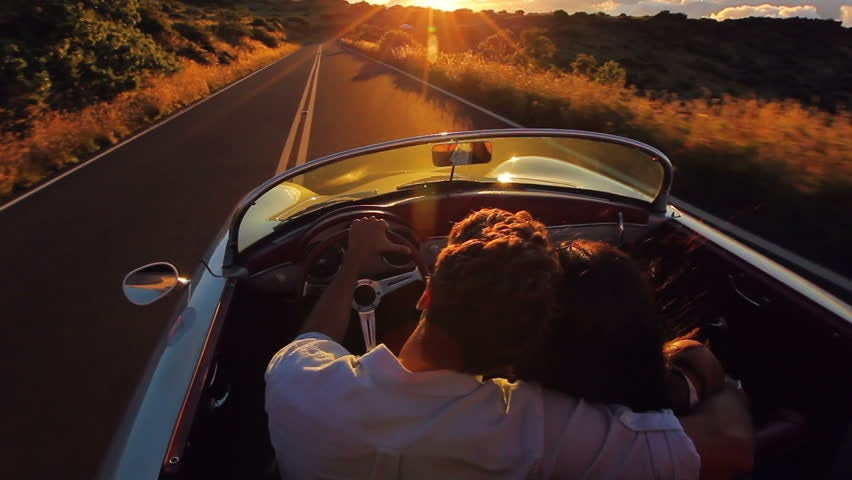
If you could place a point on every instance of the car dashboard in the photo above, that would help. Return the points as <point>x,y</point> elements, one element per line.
<point>304,259</point>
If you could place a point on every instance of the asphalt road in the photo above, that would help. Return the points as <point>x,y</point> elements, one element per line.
<point>71,347</point>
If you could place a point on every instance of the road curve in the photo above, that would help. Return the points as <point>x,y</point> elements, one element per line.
<point>71,347</point>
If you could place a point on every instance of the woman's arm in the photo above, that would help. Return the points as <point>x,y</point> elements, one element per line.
<point>720,427</point>
<point>694,373</point>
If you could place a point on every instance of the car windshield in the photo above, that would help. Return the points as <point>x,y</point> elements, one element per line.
<point>600,165</point>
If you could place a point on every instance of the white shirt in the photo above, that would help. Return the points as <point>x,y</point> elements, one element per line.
<point>335,415</point>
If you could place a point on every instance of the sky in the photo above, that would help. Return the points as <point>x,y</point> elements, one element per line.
<point>716,9</point>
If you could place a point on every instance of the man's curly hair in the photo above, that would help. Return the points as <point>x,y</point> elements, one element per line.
<point>492,291</point>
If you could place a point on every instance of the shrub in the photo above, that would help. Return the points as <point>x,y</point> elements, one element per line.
<point>152,22</point>
<point>194,35</point>
<point>367,32</point>
<point>225,58</point>
<point>500,47</point>
<point>195,54</point>
<point>85,51</point>
<point>259,22</point>
<point>231,32</point>
<point>584,65</point>
<point>395,39</point>
<point>120,11</point>
<point>537,46</point>
<point>611,73</point>
<point>101,59</point>
<point>274,24</point>
<point>264,37</point>
<point>22,80</point>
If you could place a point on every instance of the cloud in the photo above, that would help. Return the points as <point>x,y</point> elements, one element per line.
<point>846,15</point>
<point>693,9</point>
<point>718,9</point>
<point>766,10</point>
<point>715,8</point>
<point>533,5</point>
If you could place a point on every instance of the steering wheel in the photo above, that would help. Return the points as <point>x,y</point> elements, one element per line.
<point>368,292</point>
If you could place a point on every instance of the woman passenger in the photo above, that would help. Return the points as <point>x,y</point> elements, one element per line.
<point>607,344</point>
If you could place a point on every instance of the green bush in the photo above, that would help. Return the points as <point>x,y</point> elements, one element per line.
<point>537,46</point>
<point>101,59</point>
<point>611,73</point>
<point>195,54</point>
<point>194,35</point>
<point>65,54</point>
<point>393,39</point>
<point>259,22</point>
<point>500,47</point>
<point>274,24</point>
<point>152,22</point>
<point>584,65</point>
<point>225,58</point>
<point>120,11</point>
<point>264,37</point>
<point>231,32</point>
<point>22,82</point>
<point>370,33</point>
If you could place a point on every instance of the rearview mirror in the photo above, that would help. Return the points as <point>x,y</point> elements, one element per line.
<point>147,284</point>
<point>464,153</point>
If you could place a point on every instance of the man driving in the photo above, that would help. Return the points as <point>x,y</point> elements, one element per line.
<point>432,411</point>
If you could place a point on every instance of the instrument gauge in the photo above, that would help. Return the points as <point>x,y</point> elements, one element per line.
<point>327,265</point>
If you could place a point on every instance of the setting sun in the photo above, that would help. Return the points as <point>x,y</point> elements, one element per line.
<point>446,5</point>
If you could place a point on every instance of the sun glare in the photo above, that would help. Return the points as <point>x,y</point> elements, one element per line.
<point>446,5</point>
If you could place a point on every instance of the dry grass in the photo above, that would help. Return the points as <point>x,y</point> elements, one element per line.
<point>56,140</point>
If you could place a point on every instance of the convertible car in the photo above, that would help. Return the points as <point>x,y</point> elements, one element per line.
<point>199,413</point>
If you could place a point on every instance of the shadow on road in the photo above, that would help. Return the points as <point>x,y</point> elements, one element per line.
<point>371,69</point>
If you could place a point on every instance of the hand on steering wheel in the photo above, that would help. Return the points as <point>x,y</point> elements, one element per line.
<point>368,238</point>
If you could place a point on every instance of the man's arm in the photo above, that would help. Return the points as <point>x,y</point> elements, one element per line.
<point>720,428</point>
<point>367,239</point>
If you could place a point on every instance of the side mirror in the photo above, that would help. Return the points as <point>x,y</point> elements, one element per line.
<point>464,153</point>
<point>147,284</point>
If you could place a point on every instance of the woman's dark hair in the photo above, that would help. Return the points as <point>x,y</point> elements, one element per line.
<point>606,342</point>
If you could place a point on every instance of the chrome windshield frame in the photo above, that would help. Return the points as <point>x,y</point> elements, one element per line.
<point>658,204</point>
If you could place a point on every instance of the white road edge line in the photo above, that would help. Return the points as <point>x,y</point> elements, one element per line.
<point>306,131</point>
<point>449,94</point>
<point>294,127</point>
<point>134,137</point>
